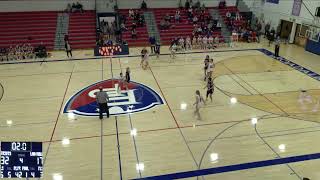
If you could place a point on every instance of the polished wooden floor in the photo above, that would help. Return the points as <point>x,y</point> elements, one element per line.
<point>169,138</point>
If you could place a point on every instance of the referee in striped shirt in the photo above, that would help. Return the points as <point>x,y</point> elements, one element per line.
<point>102,101</point>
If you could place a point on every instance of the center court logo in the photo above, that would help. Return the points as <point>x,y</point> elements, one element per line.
<point>136,98</point>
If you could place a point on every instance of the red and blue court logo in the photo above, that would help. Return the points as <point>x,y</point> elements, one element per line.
<point>123,99</point>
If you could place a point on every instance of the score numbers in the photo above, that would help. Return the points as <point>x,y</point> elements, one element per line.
<point>19,146</point>
<point>21,160</point>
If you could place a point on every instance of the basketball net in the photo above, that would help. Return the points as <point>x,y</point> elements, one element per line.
<point>109,50</point>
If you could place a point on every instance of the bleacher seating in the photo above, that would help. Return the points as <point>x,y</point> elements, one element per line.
<point>82,30</point>
<point>183,28</point>
<point>142,32</point>
<point>28,27</point>
<point>223,12</point>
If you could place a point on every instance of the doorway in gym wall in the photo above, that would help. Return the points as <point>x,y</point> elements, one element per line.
<point>285,29</point>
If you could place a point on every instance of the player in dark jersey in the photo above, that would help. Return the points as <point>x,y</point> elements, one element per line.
<point>210,88</point>
<point>157,49</point>
<point>206,65</point>
<point>127,77</point>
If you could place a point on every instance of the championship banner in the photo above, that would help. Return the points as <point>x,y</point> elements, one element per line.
<point>296,7</point>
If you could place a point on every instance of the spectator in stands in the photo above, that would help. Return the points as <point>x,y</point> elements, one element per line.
<point>205,42</point>
<point>140,22</point>
<point>199,41</point>
<point>271,36</point>
<point>4,54</point>
<point>144,5</point>
<point>217,40</point>
<point>191,3</point>
<point>133,25</point>
<point>210,42</point>
<point>77,7</point>
<point>29,51</point>
<point>188,43</point>
<point>68,49</point>
<point>41,51</point>
<point>136,15</point>
<point>107,30</point>
<point>163,24</point>
<point>181,43</point>
<point>167,17</point>
<point>219,25</point>
<point>195,20</point>
<point>258,30</point>
<point>66,38</point>
<point>69,8</point>
<point>187,5</point>
<point>203,7</point>
<point>222,4</point>
<point>199,30</point>
<point>131,13</point>
<point>238,17</point>
<point>194,42</point>
<point>201,17</point>
<point>266,30</point>
<point>108,42</point>
<point>210,25</point>
<point>152,41</point>
<point>123,19</point>
<point>99,40</point>
<point>167,24</point>
<point>123,27</point>
<point>190,15</point>
<point>134,33</point>
<point>197,5</point>
<point>173,49</point>
<point>10,53</point>
<point>177,16</point>
<point>228,15</point>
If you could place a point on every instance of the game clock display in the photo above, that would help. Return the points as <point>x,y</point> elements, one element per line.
<point>21,160</point>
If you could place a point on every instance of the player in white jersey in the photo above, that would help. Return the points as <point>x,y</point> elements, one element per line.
<point>210,69</point>
<point>194,42</point>
<point>204,42</point>
<point>210,42</point>
<point>198,103</point>
<point>173,50</point>
<point>121,82</point>
<point>144,59</point>
<point>188,43</point>
<point>181,44</point>
<point>199,41</point>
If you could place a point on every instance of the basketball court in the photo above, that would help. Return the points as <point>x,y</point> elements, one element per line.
<point>269,118</point>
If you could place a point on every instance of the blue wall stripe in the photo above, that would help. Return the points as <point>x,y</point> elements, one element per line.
<point>236,167</point>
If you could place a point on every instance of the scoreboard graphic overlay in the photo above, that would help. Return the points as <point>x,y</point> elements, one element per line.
<point>21,160</point>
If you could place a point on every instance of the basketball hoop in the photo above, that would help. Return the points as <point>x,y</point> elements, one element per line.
<point>109,50</point>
